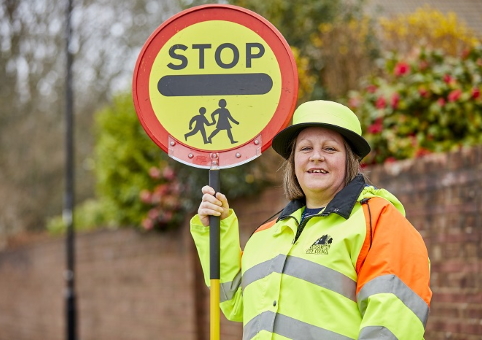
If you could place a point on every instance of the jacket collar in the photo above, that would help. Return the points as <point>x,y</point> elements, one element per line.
<point>342,204</point>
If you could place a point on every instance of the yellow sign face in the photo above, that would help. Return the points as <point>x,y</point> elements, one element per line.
<point>215,85</point>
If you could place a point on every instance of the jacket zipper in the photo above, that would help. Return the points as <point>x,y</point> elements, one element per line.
<point>298,229</point>
<point>301,227</point>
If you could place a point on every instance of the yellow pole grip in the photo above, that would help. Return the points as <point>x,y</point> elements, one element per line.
<point>214,310</point>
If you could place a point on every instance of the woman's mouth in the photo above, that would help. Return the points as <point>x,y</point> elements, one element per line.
<point>317,171</point>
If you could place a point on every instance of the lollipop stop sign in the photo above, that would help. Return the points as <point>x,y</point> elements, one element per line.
<point>214,84</point>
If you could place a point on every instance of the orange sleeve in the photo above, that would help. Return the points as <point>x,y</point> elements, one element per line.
<point>393,247</point>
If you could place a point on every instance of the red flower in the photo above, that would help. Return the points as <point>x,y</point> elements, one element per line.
<point>371,88</point>
<point>475,93</point>
<point>376,127</point>
<point>454,95</point>
<point>448,79</point>
<point>401,69</point>
<point>162,189</point>
<point>153,214</point>
<point>156,197</point>
<point>175,187</point>
<point>390,160</point>
<point>147,223</point>
<point>155,173</point>
<point>354,102</point>
<point>395,100</point>
<point>423,92</point>
<point>145,196</point>
<point>381,103</point>
<point>168,173</point>
<point>441,102</point>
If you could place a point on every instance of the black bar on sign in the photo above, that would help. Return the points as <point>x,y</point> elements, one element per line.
<point>215,84</point>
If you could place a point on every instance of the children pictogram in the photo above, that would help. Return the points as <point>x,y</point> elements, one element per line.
<point>199,121</point>
<point>224,116</point>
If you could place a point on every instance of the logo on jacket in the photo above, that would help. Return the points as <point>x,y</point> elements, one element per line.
<point>321,245</point>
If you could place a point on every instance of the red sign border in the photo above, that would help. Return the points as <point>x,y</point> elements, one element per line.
<point>186,18</point>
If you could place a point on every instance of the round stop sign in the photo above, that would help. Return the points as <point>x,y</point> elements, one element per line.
<point>214,84</point>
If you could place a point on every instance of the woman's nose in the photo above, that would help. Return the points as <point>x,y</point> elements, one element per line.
<point>317,156</point>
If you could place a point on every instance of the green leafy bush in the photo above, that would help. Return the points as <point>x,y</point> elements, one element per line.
<point>123,156</point>
<point>425,102</point>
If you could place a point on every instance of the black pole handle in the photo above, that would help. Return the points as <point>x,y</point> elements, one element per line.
<point>214,221</point>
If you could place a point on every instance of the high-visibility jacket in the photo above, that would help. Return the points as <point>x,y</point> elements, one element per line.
<point>356,270</point>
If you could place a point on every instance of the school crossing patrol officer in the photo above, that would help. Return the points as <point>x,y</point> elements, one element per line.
<point>340,262</point>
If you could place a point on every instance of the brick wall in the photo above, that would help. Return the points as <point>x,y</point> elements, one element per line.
<point>130,286</point>
<point>136,286</point>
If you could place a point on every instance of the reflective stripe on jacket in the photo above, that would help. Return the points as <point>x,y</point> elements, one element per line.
<point>358,270</point>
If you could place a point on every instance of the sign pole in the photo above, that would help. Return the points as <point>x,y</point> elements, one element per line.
<point>214,244</point>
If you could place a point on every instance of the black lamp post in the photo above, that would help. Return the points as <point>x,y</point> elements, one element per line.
<point>68,213</point>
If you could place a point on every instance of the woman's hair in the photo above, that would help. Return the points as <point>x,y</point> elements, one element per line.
<point>293,189</point>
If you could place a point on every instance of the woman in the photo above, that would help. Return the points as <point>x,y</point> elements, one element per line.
<point>340,262</point>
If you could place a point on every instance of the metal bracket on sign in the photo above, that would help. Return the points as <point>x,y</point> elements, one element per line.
<point>215,159</point>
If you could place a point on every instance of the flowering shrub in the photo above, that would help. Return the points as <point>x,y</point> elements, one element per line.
<point>426,102</point>
<point>164,199</point>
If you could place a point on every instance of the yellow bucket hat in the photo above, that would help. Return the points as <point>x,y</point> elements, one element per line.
<point>327,114</point>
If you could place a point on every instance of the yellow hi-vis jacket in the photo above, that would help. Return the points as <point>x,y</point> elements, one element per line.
<point>357,270</point>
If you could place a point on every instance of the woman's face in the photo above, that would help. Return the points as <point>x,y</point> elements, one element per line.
<point>320,164</point>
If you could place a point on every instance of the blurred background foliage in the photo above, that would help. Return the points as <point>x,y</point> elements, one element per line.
<point>388,69</point>
<point>427,27</point>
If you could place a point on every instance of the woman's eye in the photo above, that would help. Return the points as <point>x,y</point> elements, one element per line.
<point>330,149</point>
<point>305,148</point>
